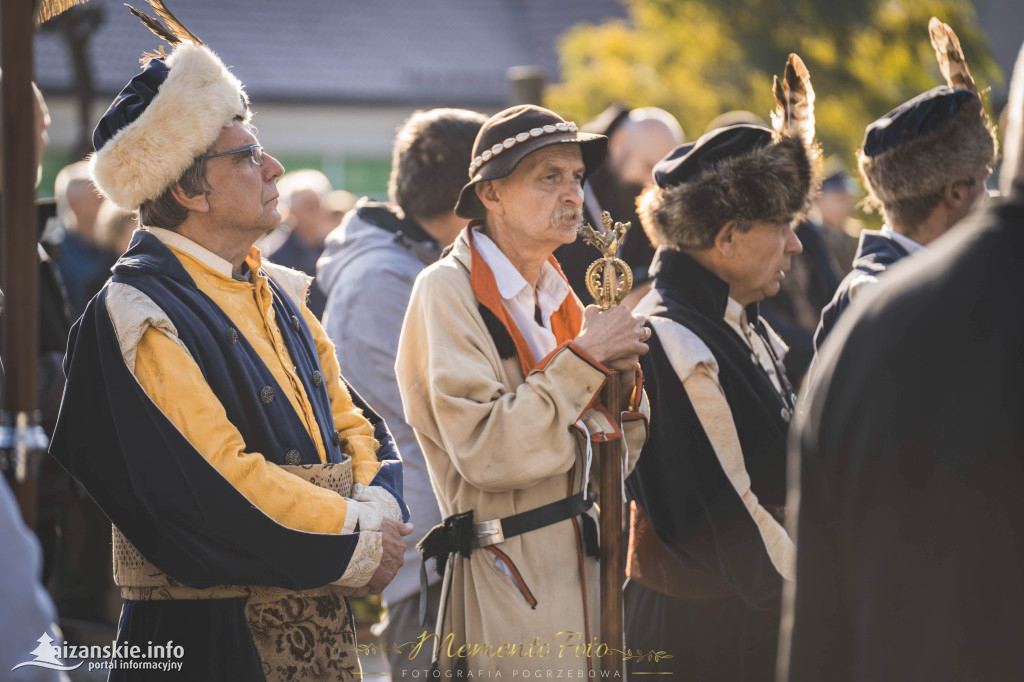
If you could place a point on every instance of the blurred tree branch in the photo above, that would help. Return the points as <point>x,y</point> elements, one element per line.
<point>699,59</point>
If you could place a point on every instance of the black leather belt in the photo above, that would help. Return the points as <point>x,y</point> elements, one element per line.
<point>459,534</point>
<point>496,531</point>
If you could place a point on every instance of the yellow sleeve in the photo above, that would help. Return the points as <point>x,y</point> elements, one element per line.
<point>355,431</point>
<point>167,372</point>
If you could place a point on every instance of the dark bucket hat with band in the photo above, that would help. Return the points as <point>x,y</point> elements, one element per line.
<point>508,136</point>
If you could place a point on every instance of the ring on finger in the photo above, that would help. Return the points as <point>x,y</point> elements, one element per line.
<point>646,334</point>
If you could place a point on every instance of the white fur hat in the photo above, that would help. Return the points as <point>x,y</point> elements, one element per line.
<point>163,119</point>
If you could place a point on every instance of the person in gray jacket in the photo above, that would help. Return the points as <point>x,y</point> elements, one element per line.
<point>367,270</point>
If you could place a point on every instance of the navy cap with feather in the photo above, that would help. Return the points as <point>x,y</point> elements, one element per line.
<point>687,162</point>
<point>743,172</point>
<point>919,116</point>
<point>939,137</point>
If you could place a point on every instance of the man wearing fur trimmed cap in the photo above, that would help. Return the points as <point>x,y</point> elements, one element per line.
<point>249,488</point>
<point>708,551</point>
<point>501,370</point>
<point>910,538</point>
<point>924,165</point>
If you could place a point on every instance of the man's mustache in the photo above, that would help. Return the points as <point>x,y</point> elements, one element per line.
<point>575,215</point>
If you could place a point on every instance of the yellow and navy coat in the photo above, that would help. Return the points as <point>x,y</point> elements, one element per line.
<point>186,389</point>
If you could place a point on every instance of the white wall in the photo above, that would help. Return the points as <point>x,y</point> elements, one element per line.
<point>328,130</point>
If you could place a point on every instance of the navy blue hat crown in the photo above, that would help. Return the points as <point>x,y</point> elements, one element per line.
<point>919,116</point>
<point>131,102</point>
<point>687,162</point>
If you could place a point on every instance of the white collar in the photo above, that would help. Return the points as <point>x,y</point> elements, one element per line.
<point>906,242</point>
<point>734,312</point>
<point>551,289</point>
<point>510,281</point>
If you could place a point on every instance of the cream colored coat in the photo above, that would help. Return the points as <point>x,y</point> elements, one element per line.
<point>499,444</point>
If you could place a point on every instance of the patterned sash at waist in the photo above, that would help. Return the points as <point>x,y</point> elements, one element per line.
<point>140,580</point>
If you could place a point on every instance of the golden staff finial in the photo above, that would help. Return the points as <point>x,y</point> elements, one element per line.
<point>608,279</point>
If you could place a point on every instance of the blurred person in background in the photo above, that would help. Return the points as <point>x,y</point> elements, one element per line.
<point>833,211</point>
<point>302,195</point>
<point>368,269</point>
<point>809,286</point>
<point>637,139</point>
<point>735,117</point>
<point>81,258</point>
<point>337,204</point>
<point>114,229</point>
<point>54,325</point>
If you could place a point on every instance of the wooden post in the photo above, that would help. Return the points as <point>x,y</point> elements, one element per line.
<point>526,85</point>
<point>19,262</point>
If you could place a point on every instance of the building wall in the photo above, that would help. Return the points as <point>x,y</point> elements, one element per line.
<point>351,144</point>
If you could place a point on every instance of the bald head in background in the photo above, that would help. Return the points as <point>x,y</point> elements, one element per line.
<point>643,138</point>
<point>637,140</point>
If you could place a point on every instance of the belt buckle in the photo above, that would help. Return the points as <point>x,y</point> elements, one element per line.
<point>487,533</point>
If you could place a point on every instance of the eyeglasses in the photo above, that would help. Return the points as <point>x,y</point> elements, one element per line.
<point>255,153</point>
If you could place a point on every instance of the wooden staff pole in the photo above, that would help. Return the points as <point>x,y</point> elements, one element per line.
<point>612,570</point>
<point>609,279</point>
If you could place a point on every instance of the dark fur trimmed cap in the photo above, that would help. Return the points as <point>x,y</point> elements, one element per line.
<point>940,136</point>
<point>509,136</point>
<point>686,162</point>
<point>742,172</point>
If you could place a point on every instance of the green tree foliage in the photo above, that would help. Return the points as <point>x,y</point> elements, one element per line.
<point>699,59</point>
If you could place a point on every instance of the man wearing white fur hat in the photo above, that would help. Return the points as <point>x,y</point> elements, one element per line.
<point>249,488</point>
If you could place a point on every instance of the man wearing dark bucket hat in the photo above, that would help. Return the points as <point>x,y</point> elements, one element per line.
<point>205,413</point>
<point>500,371</point>
<point>924,165</point>
<point>708,550</point>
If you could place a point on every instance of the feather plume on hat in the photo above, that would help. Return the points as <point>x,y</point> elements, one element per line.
<point>174,33</point>
<point>951,56</point>
<point>794,102</point>
<point>743,173</point>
